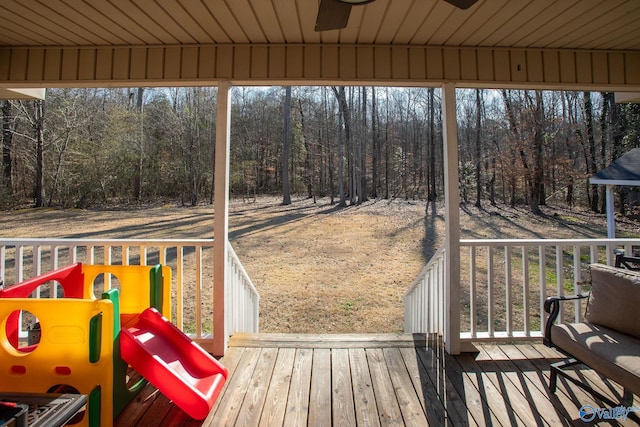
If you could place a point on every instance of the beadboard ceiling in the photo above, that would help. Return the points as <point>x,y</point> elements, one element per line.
<point>557,24</point>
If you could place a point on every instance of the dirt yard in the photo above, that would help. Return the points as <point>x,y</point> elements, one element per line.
<point>318,268</point>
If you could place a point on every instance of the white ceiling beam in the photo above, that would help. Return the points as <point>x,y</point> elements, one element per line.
<point>6,93</point>
<point>627,97</point>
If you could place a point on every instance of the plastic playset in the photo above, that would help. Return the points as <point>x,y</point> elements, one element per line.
<point>88,344</point>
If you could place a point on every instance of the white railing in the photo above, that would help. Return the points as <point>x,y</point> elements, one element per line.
<point>424,300</point>
<point>242,300</point>
<point>191,263</point>
<point>503,285</point>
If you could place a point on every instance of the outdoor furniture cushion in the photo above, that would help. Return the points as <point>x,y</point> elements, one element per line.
<point>615,299</point>
<point>612,353</point>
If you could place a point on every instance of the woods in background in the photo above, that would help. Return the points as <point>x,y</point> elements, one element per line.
<point>101,147</point>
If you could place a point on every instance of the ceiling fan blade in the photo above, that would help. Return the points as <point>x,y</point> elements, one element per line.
<point>462,4</point>
<point>332,15</point>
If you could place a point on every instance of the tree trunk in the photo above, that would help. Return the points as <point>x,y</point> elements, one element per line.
<point>375,144</point>
<point>139,178</point>
<point>309,164</point>
<point>432,196</point>
<point>286,152</point>
<point>567,118</point>
<point>538,195</point>
<point>492,183</point>
<point>387,153</point>
<point>362,187</point>
<point>345,117</point>
<point>591,142</point>
<point>351,146</point>
<point>7,144</point>
<point>605,125</point>
<point>39,137</point>
<point>478,148</point>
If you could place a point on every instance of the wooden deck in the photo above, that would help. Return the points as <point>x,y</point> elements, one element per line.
<point>379,380</point>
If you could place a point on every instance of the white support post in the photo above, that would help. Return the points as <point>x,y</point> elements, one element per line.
<point>221,217</point>
<point>611,216</point>
<point>452,223</point>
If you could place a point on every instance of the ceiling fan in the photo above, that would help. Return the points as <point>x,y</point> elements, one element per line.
<point>334,14</point>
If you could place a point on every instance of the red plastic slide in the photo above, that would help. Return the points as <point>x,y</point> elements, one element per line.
<point>172,362</point>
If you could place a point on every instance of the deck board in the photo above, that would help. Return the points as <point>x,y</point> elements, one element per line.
<point>408,401</point>
<point>344,414</point>
<point>297,410</point>
<point>256,394</point>
<point>365,401</point>
<point>431,404</point>
<point>379,380</point>
<point>273,413</point>
<point>320,398</point>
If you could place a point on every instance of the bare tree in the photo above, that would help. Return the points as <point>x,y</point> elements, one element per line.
<point>286,154</point>
<point>591,143</point>
<point>345,119</point>
<point>432,195</point>
<point>7,143</point>
<point>478,147</point>
<point>38,129</point>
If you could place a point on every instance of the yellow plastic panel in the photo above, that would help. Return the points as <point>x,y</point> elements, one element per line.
<point>134,285</point>
<point>63,355</point>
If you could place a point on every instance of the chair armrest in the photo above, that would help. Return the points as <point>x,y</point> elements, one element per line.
<point>628,262</point>
<point>552,306</point>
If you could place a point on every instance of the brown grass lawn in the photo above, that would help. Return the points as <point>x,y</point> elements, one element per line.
<point>318,268</point>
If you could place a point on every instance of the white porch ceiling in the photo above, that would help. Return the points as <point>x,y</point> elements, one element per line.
<point>555,24</point>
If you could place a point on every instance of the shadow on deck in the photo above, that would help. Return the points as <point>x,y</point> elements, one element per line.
<point>384,379</point>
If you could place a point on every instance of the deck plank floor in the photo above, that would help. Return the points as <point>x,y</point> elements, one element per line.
<point>379,380</point>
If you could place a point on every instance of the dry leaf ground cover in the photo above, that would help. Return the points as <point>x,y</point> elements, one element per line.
<point>318,268</point>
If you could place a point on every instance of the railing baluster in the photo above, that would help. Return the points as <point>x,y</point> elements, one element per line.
<point>180,287</point>
<point>577,279</point>
<point>162,252</point>
<point>54,265</point>
<point>472,291</point>
<point>525,291</point>
<point>36,252</point>
<point>559,278</point>
<point>198,255</point>
<point>20,264</point>
<point>143,255</point>
<point>509,291</point>
<point>3,259</point>
<point>490,281</point>
<point>542,271</point>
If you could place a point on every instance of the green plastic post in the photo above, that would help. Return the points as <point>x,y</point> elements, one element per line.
<point>95,338</point>
<point>94,407</point>
<point>113,295</point>
<point>155,282</point>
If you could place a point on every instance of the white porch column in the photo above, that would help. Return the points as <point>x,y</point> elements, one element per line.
<point>452,222</point>
<point>611,215</point>
<point>221,217</point>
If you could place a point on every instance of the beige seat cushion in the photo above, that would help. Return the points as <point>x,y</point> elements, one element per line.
<point>615,299</point>
<point>613,354</point>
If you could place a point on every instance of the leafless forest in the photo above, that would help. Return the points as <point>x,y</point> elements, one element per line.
<point>103,147</point>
